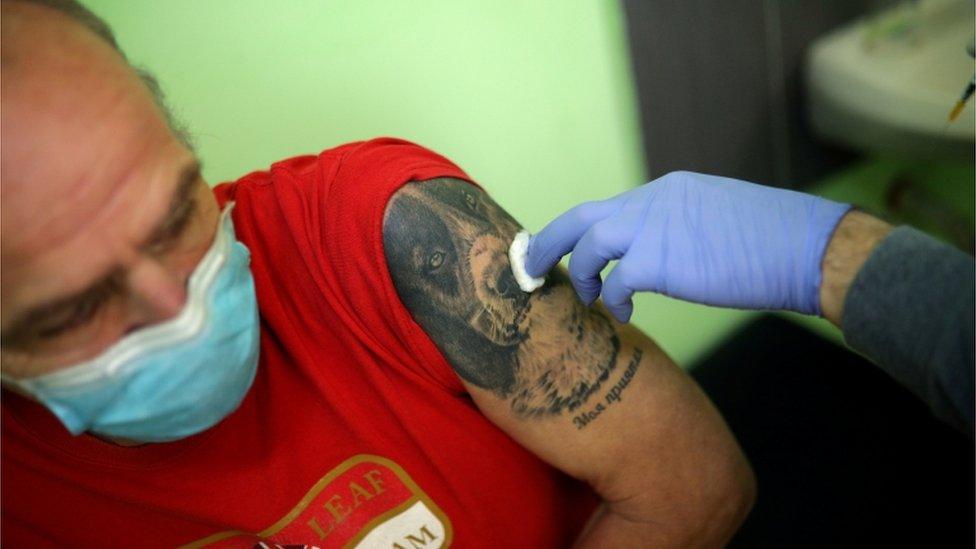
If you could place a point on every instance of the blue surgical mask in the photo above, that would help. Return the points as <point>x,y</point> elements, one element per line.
<point>176,378</point>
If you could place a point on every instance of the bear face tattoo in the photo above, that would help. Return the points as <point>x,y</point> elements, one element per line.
<point>446,246</point>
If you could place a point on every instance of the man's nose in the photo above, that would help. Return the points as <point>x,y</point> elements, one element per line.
<point>158,293</point>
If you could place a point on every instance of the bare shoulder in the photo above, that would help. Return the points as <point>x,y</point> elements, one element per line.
<point>545,353</point>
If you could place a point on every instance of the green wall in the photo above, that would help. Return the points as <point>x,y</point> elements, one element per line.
<point>533,99</point>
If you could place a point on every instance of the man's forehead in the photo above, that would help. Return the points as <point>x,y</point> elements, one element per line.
<point>78,129</point>
<point>113,237</point>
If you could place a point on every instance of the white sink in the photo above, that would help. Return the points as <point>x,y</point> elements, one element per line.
<point>887,82</point>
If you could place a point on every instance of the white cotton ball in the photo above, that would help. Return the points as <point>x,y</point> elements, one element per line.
<point>516,255</point>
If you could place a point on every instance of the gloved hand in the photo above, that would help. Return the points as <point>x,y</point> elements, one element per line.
<point>695,237</point>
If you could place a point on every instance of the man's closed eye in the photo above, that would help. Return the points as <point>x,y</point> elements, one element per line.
<point>76,316</point>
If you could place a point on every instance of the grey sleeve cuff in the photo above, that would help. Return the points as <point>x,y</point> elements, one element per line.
<point>911,310</point>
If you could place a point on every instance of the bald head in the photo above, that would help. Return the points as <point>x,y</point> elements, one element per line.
<point>90,169</point>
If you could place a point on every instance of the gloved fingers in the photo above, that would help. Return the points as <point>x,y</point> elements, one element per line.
<point>618,290</point>
<point>561,235</point>
<point>604,241</point>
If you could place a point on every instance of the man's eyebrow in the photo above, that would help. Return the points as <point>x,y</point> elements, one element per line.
<point>28,323</point>
<point>180,206</point>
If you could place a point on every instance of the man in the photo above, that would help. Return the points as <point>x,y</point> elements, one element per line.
<point>331,352</point>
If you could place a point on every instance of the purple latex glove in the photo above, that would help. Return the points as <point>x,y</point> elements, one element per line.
<point>695,237</point>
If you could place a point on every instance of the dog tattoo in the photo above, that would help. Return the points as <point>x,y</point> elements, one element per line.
<point>446,244</point>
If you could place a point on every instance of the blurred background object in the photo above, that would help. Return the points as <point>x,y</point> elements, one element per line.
<point>888,82</point>
<point>724,79</point>
<point>843,455</point>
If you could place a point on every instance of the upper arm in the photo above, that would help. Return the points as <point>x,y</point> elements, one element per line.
<point>594,398</point>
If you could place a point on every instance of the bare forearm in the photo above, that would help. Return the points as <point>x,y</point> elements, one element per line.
<point>685,485</point>
<point>607,528</point>
<point>855,238</point>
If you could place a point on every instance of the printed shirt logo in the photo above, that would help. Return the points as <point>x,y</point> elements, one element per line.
<point>367,501</point>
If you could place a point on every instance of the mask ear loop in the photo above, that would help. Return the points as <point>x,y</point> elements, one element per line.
<point>183,326</point>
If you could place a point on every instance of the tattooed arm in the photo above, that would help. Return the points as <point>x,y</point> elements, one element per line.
<point>594,398</point>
